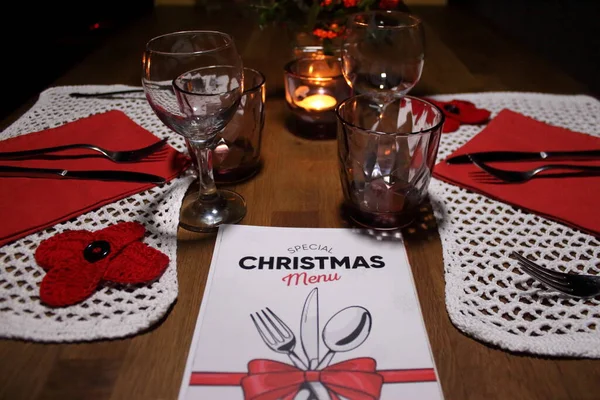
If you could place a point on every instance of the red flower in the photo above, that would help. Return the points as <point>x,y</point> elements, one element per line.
<point>460,112</point>
<point>77,261</point>
<point>388,4</point>
<point>350,3</point>
<point>325,34</point>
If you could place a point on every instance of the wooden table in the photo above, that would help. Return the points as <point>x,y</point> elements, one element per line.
<point>299,186</point>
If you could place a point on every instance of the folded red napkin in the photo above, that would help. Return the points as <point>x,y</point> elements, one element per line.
<point>28,205</point>
<point>570,200</point>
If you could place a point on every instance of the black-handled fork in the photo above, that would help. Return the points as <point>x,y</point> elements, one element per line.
<point>155,150</point>
<point>492,175</point>
<point>573,285</point>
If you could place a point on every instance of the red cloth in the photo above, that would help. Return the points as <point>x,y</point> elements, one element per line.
<point>29,205</point>
<point>570,200</point>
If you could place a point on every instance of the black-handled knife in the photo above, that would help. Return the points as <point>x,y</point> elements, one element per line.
<point>109,175</point>
<point>524,156</point>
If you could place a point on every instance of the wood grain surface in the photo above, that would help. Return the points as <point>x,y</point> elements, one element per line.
<point>299,186</point>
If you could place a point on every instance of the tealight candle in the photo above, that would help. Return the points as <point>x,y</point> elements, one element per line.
<point>314,86</point>
<point>318,102</point>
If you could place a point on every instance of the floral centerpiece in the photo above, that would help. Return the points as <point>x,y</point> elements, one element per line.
<point>319,22</point>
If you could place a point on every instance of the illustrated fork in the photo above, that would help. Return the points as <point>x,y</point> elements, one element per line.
<point>151,152</point>
<point>277,335</point>
<point>280,338</point>
<point>573,285</point>
<point>492,174</point>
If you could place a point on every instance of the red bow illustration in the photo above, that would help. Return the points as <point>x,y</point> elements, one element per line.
<point>270,380</point>
<point>77,261</point>
<point>460,112</point>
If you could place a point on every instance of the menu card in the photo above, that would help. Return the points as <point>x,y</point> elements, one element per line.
<point>299,313</point>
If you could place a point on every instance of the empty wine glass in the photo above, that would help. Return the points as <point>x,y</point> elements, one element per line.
<point>383,53</point>
<point>193,81</point>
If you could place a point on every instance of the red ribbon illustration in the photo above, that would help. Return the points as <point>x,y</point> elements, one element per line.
<point>355,379</point>
<point>272,380</point>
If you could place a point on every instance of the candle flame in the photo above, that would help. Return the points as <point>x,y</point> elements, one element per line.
<point>317,102</point>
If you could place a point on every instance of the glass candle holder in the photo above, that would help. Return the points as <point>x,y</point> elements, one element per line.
<point>314,86</point>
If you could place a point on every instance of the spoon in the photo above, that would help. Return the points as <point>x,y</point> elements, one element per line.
<point>345,331</point>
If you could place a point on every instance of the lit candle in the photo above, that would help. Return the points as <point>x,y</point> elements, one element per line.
<point>317,102</point>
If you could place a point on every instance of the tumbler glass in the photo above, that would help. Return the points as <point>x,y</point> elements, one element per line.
<point>387,153</point>
<point>236,156</point>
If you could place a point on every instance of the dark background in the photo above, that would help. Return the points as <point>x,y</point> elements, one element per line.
<point>41,40</point>
<point>564,32</point>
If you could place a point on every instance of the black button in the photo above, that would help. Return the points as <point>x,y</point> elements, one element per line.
<point>451,108</point>
<point>96,251</point>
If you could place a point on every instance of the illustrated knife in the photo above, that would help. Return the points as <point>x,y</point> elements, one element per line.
<point>309,328</point>
<point>524,156</point>
<point>108,175</point>
<point>309,335</point>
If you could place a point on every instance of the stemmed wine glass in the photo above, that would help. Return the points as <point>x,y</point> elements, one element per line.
<point>193,81</point>
<point>383,53</point>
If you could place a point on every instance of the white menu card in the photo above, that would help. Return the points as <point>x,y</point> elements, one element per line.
<point>301,314</point>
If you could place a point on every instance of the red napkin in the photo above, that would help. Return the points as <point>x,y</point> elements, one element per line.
<point>29,205</point>
<point>571,200</point>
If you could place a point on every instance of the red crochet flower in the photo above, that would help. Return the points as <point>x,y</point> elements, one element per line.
<point>459,112</point>
<point>77,261</point>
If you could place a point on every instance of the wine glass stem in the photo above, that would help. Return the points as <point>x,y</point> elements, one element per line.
<point>203,153</point>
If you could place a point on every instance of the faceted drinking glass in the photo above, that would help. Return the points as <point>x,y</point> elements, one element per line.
<point>386,154</point>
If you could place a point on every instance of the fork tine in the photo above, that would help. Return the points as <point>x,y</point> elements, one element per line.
<point>283,325</point>
<point>561,288</point>
<point>545,271</point>
<point>154,147</point>
<point>483,177</point>
<point>153,156</point>
<point>145,152</point>
<point>283,335</point>
<point>261,333</point>
<point>275,339</point>
<point>558,281</point>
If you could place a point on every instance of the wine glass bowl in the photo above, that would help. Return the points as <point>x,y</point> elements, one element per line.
<point>208,98</point>
<point>193,81</point>
<point>383,53</point>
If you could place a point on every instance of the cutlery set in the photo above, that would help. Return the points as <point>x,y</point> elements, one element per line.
<point>490,174</point>
<point>154,152</point>
<point>345,331</point>
<point>580,286</point>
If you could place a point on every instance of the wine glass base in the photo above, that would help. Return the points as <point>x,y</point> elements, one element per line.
<point>228,208</point>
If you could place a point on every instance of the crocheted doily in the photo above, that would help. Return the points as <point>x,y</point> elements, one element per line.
<point>113,311</point>
<point>487,296</point>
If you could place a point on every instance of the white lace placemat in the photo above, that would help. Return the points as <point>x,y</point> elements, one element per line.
<point>487,297</point>
<point>110,312</point>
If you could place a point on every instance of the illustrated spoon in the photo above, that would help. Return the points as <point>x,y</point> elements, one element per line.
<point>345,331</point>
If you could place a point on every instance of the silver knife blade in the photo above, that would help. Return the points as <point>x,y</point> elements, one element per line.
<point>108,175</point>
<point>309,328</point>
<point>524,156</point>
